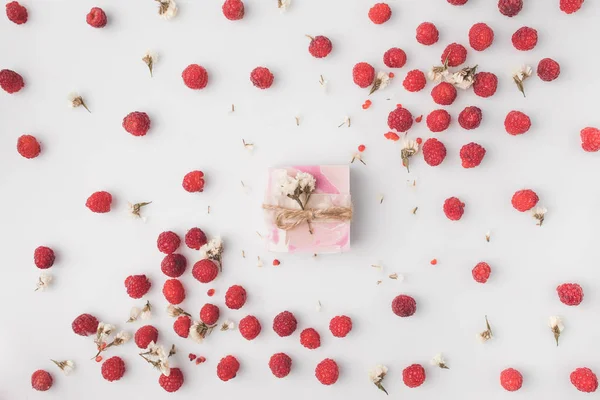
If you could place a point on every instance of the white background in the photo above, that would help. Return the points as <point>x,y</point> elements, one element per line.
<point>43,200</point>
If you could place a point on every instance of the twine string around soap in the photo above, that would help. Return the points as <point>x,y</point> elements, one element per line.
<point>288,218</point>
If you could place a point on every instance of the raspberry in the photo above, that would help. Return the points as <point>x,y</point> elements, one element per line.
<point>481,272</point>
<point>458,2</point>
<point>193,181</point>
<point>310,338</point>
<point>548,69</point>
<point>28,146</point>
<point>113,369</point>
<point>173,265</point>
<point>327,371</point>
<point>485,84</point>
<point>525,38</point>
<point>511,379</point>
<point>413,375</point>
<point>233,9</point>
<point>524,200</point>
<point>85,325</point>
<point>182,325</point>
<point>284,323</point>
<point>481,36</point>
<point>590,139</point>
<point>249,327</point>
<point>205,271</point>
<point>516,123</point>
<point>400,119</point>
<point>404,306</point>
<point>41,380</point>
<point>434,152</point>
<point>427,34</point>
<point>470,117</point>
<point>380,13</point>
<point>137,286</point>
<point>363,74</point>
<point>43,257</point>
<point>173,291</point>
<point>280,365</point>
<point>261,77</point>
<point>10,81</point>
<point>584,380</point>
<point>471,155</point>
<point>195,238</point>
<point>99,202</point>
<point>227,368</point>
<point>455,54</point>
<point>320,46</point>
<point>168,242</point>
<point>16,13</point>
<point>510,8</point>
<point>454,208</point>
<point>209,314</point>
<point>394,58</point>
<point>137,123</point>
<point>195,77</point>
<point>570,294</point>
<point>340,326</point>
<point>173,381</point>
<point>415,81</point>
<point>444,93</point>
<point>96,18</point>
<point>566,6</point>
<point>438,120</point>
<point>235,297</point>
<point>145,335</point>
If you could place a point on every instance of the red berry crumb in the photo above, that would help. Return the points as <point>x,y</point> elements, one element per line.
<point>96,18</point>
<point>525,38</point>
<point>235,297</point>
<point>16,13</point>
<point>510,8</point>
<point>182,325</point>
<point>481,272</point>
<point>261,77</point>
<point>584,380</point>
<point>419,119</point>
<point>413,375</point>
<point>320,46</point>
<point>85,325</point>
<point>276,262</point>
<point>173,265</point>
<point>144,335</point>
<point>43,257</point>
<point>362,148</point>
<point>99,202</point>
<point>419,140</point>
<point>284,323</point>
<point>41,380</point>
<point>249,327</point>
<point>438,120</point>
<point>481,36</point>
<point>511,379</point>
<point>340,326</point>
<point>434,152</point>
<point>137,123</point>
<point>173,291</point>
<point>458,2</point>
<point>168,242</point>
<point>10,81</point>
<point>548,69</point>
<point>427,34</point>
<point>280,365</point>
<point>570,6</point>
<point>205,271</point>
<point>209,314</point>
<point>192,356</point>
<point>433,262</point>
<point>570,294</point>
<point>404,306</point>
<point>391,136</point>
<point>394,58</point>
<point>454,208</point>
<point>471,155</point>
<point>173,381</point>
<point>137,286</point>
<point>444,93</point>
<point>195,238</point>
<point>200,360</point>
<point>524,200</point>
<point>380,13</point>
<point>470,117</point>
<point>310,338</point>
<point>113,369</point>
<point>400,119</point>
<point>485,84</point>
<point>516,123</point>
<point>233,10</point>
<point>327,372</point>
<point>195,77</point>
<point>228,368</point>
<point>363,74</point>
<point>455,53</point>
<point>210,292</point>
<point>28,146</point>
<point>415,81</point>
<point>193,181</point>
<point>590,139</point>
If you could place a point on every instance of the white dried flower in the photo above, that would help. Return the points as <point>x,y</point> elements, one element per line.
<point>123,337</point>
<point>228,325</point>
<point>376,375</point>
<point>66,366</point>
<point>438,74</point>
<point>487,334</point>
<point>199,330</point>
<point>259,262</point>
<point>150,58</point>
<point>438,360</point>
<point>323,83</point>
<point>75,100</point>
<point>556,325</point>
<point>43,282</point>
<point>105,329</point>
<point>146,311</point>
<point>164,367</point>
<point>134,314</point>
<point>283,5</point>
<point>306,182</point>
<point>213,249</point>
<point>287,184</point>
<point>520,75</point>
<point>318,307</point>
<point>167,9</point>
<point>539,213</point>
<point>409,149</point>
<point>248,146</point>
<point>381,81</point>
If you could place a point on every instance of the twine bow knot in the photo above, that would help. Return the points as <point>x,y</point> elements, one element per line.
<point>288,218</point>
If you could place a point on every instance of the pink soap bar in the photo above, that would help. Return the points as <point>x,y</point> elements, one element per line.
<point>332,189</point>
